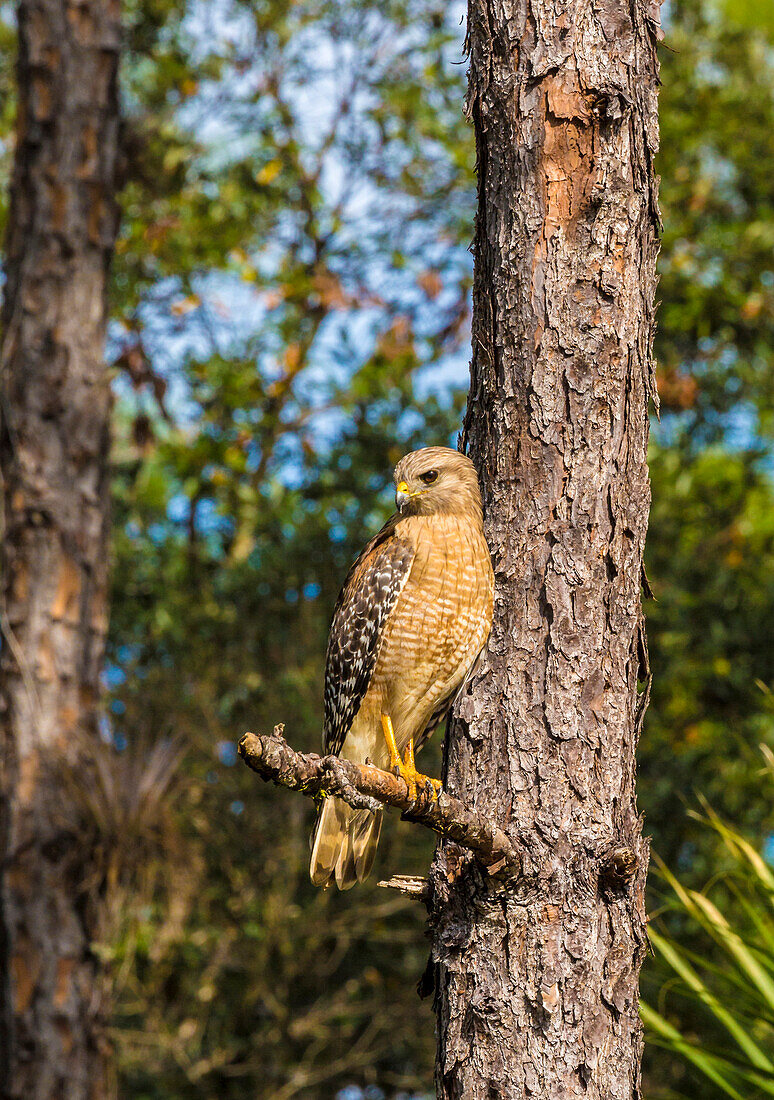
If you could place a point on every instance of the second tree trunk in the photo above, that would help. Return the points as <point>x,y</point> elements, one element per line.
<point>54,464</point>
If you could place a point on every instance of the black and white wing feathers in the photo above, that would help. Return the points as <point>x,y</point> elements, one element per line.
<point>365,602</point>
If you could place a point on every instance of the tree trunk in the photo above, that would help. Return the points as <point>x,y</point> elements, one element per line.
<point>537,985</point>
<point>53,458</point>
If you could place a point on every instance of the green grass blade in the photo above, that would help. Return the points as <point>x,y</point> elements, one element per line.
<point>705,1063</point>
<point>694,982</point>
<point>715,923</point>
<point>760,916</point>
<point>739,847</point>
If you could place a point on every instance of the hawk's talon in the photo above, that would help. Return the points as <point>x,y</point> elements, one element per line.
<point>435,785</point>
<point>406,769</point>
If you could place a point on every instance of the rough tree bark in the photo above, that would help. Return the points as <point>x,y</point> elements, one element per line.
<point>53,459</point>
<point>536,984</point>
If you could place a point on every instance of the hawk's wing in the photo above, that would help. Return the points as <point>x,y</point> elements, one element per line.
<point>365,602</point>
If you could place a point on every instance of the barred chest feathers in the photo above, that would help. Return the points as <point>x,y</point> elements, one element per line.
<point>439,625</point>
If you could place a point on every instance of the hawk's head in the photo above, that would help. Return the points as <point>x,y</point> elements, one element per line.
<point>436,480</point>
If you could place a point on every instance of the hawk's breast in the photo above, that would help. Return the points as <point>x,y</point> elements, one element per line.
<point>438,626</point>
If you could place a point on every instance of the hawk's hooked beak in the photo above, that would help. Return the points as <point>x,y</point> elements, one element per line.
<point>402,495</point>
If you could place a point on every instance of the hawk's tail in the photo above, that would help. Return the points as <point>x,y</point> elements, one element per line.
<point>344,844</point>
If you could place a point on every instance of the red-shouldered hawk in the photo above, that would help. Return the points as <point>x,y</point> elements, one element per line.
<point>408,627</point>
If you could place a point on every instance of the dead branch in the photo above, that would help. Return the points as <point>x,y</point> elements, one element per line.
<point>411,886</point>
<point>367,787</point>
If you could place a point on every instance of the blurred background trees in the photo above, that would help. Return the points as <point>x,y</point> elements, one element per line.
<point>290,310</point>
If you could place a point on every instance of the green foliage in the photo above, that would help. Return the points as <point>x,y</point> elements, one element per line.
<point>726,975</point>
<point>716,319</point>
<point>710,560</point>
<point>271,339</point>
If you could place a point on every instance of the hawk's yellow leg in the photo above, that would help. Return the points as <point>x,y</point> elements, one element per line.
<point>406,768</point>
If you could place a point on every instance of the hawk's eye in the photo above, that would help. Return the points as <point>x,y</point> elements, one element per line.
<point>429,477</point>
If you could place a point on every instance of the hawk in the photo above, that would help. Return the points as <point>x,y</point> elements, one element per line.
<point>408,627</point>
